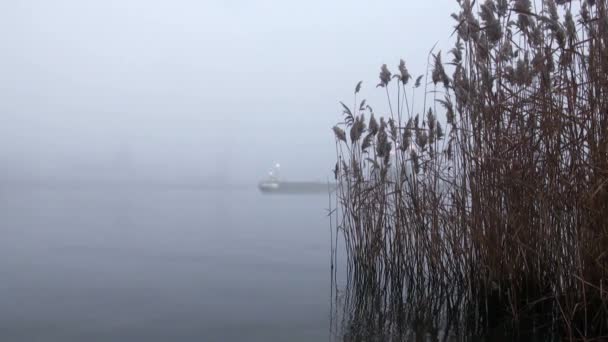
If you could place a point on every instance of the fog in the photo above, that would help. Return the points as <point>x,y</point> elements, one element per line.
<point>194,91</point>
<point>133,134</point>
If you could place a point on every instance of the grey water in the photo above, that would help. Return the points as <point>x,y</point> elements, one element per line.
<point>115,263</point>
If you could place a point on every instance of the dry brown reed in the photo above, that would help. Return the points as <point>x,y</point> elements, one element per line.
<point>501,217</point>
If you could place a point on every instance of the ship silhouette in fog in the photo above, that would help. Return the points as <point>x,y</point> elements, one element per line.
<point>274,185</point>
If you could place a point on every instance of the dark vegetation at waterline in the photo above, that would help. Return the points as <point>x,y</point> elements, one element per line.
<point>495,215</point>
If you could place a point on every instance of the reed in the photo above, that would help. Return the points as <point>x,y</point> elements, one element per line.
<point>501,217</point>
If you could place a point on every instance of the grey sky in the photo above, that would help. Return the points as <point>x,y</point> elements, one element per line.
<point>185,90</point>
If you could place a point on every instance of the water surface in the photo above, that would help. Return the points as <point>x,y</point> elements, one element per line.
<point>113,263</point>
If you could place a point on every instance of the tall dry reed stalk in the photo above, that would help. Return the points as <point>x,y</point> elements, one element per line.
<point>503,215</point>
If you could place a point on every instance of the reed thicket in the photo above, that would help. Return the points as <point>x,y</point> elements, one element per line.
<point>498,211</point>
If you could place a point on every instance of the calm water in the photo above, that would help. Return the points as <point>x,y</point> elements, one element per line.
<point>162,264</point>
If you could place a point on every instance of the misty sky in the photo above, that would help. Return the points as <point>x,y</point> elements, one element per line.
<point>203,91</point>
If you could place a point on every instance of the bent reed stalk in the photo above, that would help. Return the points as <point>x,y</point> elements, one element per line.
<point>503,217</point>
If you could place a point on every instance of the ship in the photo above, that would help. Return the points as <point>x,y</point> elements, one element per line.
<point>274,185</point>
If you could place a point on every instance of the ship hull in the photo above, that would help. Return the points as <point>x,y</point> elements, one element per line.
<point>296,187</point>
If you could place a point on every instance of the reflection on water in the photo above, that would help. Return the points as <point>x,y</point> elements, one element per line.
<point>363,309</point>
<point>162,264</point>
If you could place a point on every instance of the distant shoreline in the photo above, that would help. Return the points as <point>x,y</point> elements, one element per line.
<point>122,184</point>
